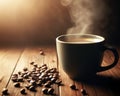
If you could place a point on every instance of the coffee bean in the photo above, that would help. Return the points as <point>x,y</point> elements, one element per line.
<point>44,90</point>
<point>48,85</point>
<point>53,80</point>
<point>22,91</point>
<point>32,88</point>
<point>43,80</point>
<point>50,91</point>
<point>32,82</point>
<point>42,70</point>
<point>17,84</point>
<point>83,91</point>
<point>32,63</point>
<point>58,81</point>
<point>19,72</point>
<point>41,52</point>
<point>37,77</point>
<point>25,69</point>
<point>43,65</point>
<point>14,79</point>
<point>15,75</point>
<point>72,86</point>
<point>35,65</point>
<point>38,70</point>
<point>44,74</point>
<point>20,79</point>
<point>50,76</point>
<point>5,91</point>
<point>55,75</point>
<point>26,76</point>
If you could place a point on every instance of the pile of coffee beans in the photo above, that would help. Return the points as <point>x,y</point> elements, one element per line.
<point>38,76</point>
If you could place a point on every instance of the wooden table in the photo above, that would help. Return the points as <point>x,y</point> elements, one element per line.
<point>13,60</point>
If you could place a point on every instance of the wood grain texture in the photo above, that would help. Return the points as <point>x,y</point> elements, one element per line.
<point>106,83</point>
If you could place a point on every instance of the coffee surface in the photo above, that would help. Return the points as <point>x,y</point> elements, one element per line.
<point>82,40</point>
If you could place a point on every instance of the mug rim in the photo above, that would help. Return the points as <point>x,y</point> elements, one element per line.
<point>92,35</point>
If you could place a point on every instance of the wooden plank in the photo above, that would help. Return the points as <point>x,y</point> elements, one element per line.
<point>8,60</point>
<point>107,84</point>
<point>29,54</point>
<point>51,61</point>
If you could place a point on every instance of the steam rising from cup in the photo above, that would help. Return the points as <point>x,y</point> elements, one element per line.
<point>87,16</point>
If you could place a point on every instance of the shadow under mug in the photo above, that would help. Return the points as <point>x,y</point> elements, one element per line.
<point>81,56</point>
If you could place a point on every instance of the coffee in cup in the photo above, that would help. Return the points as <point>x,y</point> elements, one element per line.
<point>81,56</point>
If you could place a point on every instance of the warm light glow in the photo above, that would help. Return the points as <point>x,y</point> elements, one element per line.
<point>11,11</point>
<point>20,16</point>
<point>31,21</point>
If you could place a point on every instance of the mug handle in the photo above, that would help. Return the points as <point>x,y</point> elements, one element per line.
<point>116,58</point>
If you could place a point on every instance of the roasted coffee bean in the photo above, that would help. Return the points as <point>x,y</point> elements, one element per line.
<point>25,69</point>
<point>34,78</point>
<point>29,73</point>
<point>19,72</point>
<point>55,75</point>
<point>23,73</point>
<point>15,75</point>
<point>38,74</point>
<point>48,85</point>
<point>44,80</point>
<point>17,84</point>
<point>47,70</point>
<point>45,90</point>
<point>53,80</point>
<point>43,74</point>
<point>23,91</point>
<point>83,91</point>
<point>32,63</point>
<point>39,67</point>
<point>42,70</point>
<point>58,81</point>
<point>50,91</point>
<point>14,79</point>
<point>32,88</point>
<point>53,70</point>
<point>50,76</point>
<point>20,79</point>
<point>26,76</point>
<point>35,65</point>
<point>41,52</point>
<point>38,70</point>
<point>5,91</point>
<point>47,78</point>
<point>32,82</point>
<point>72,86</point>
<point>43,65</point>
